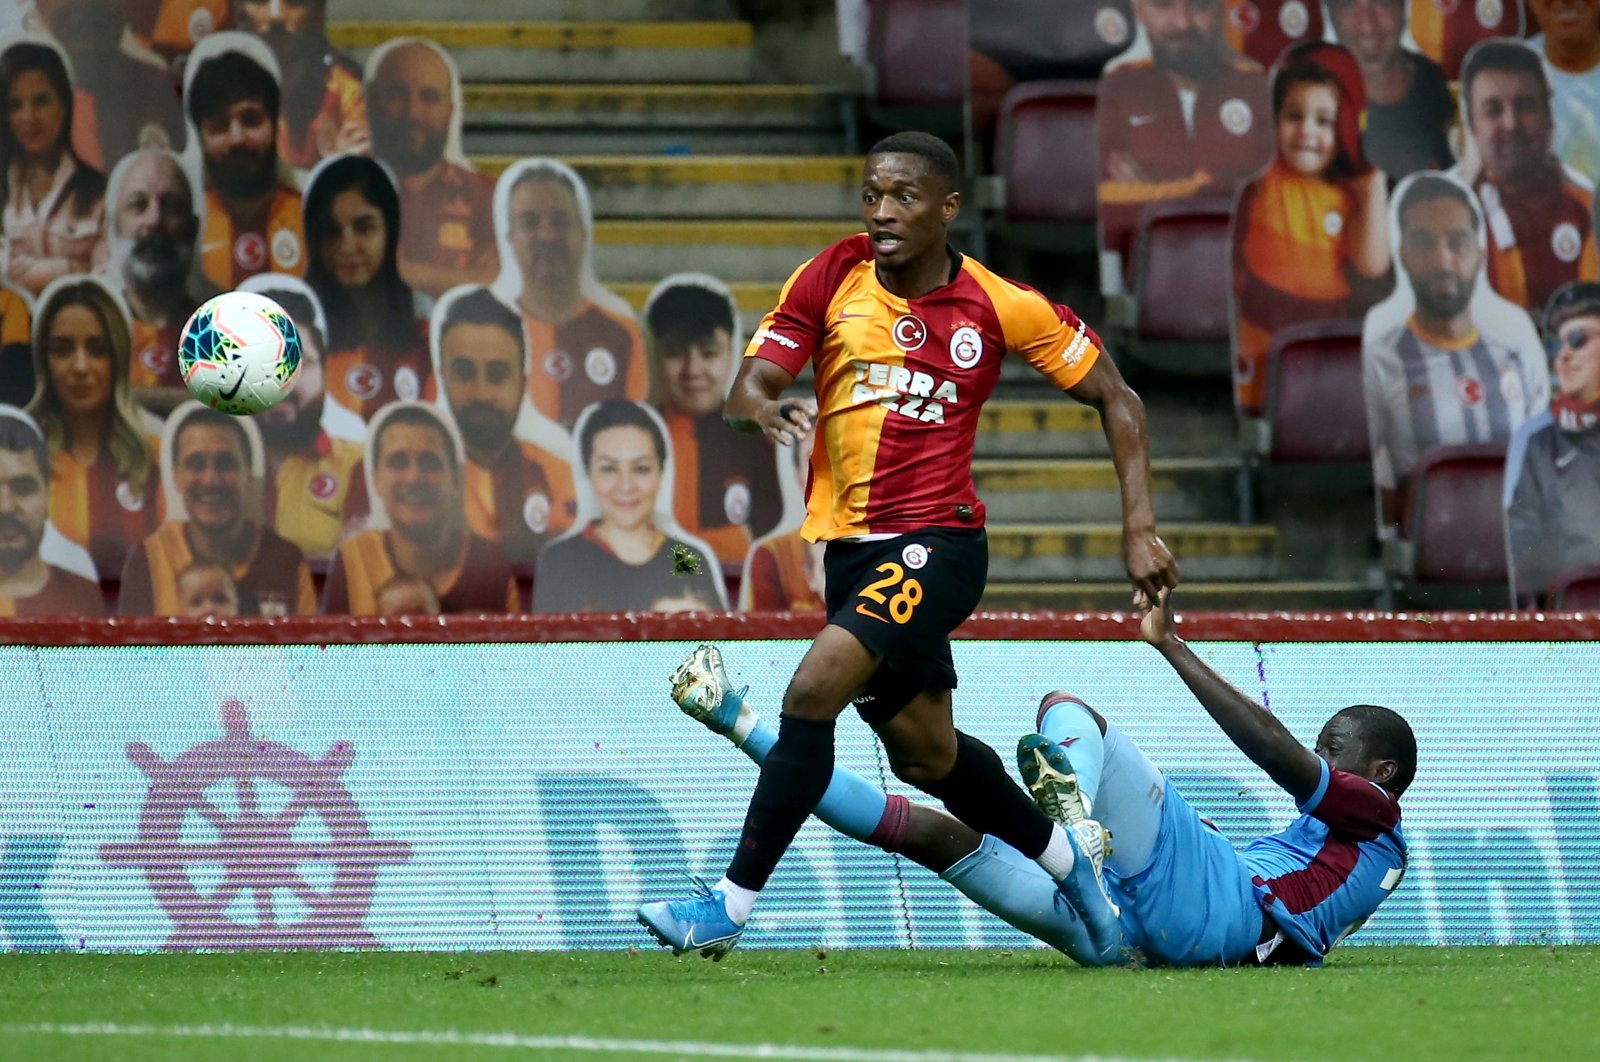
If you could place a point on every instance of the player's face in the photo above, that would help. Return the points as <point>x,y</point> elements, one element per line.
<point>547,234</point>
<point>36,113</point>
<point>1340,744</point>
<point>1439,252</point>
<point>413,478</point>
<point>1369,28</point>
<point>1568,21</point>
<point>907,208</point>
<point>208,470</point>
<point>207,591</point>
<point>240,148</point>
<point>1307,128</point>
<point>625,475</point>
<point>410,106</point>
<point>24,505</point>
<point>78,358</point>
<point>484,381</point>
<point>1184,34</point>
<point>1578,359</point>
<point>1511,124</point>
<point>278,18</point>
<point>696,374</point>
<point>356,239</point>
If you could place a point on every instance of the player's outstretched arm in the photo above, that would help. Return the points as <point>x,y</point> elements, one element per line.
<point>754,405</point>
<point>1150,564</point>
<point>1256,731</point>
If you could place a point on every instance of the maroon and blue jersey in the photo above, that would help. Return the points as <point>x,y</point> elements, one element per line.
<point>1323,876</point>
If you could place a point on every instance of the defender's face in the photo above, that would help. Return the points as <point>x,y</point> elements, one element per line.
<point>1578,359</point>
<point>907,208</point>
<point>696,374</point>
<point>208,470</point>
<point>1341,746</point>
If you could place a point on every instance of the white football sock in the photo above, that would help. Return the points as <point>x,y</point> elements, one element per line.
<point>739,900</point>
<point>1057,857</point>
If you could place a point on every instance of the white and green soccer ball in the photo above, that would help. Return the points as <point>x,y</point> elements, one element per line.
<point>239,353</point>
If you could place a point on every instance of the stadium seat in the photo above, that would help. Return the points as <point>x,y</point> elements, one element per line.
<point>1262,29</point>
<point>1455,529</point>
<point>1039,40</point>
<point>1577,590</point>
<point>920,78</point>
<point>1046,157</point>
<point>1316,412</point>
<point>1310,447</point>
<point>1178,318</point>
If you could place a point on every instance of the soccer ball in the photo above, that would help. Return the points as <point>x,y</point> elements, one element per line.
<point>239,353</point>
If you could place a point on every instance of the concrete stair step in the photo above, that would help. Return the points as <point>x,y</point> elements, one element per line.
<point>763,251</point>
<point>1017,490</point>
<point>1093,551</point>
<point>1053,425</point>
<point>716,52</point>
<point>1117,597</point>
<point>728,187</point>
<point>536,10</point>
<point>520,119</point>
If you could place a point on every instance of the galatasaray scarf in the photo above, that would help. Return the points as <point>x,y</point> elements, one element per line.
<point>1575,414</point>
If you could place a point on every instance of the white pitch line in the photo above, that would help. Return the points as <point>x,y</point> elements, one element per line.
<point>519,1041</point>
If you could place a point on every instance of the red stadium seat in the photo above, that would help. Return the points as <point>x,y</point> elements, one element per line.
<point>1262,29</point>
<point>1180,313</point>
<point>1047,160</point>
<point>1577,590</point>
<point>1316,412</point>
<point>920,69</point>
<point>1040,40</point>
<point>1456,528</point>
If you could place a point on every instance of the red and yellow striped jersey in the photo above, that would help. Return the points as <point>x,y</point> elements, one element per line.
<point>900,382</point>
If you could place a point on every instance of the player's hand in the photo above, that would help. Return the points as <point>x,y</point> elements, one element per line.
<point>1155,617</point>
<point>1150,563</point>
<point>787,419</point>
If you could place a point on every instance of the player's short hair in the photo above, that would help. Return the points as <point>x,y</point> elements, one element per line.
<point>225,79</point>
<point>619,413</point>
<point>1427,187</point>
<point>939,156</point>
<point>1502,56</point>
<point>481,307</point>
<point>18,436</point>
<point>684,313</point>
<point>417,416</point>
<point>1574,299</point>
<point>1386,735</point>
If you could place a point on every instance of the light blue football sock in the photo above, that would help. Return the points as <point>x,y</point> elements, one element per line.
<point>1068,724</point>
<point>1008,884</point>
<point>852,805</point>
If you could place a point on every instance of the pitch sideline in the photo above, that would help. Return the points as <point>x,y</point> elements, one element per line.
<point>520,1041</point>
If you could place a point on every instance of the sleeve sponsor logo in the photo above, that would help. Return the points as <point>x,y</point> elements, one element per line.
<point>766,335</point>
<point>1076,349</point>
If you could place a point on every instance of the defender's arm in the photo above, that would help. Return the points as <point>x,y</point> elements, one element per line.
<point>1256,731</point>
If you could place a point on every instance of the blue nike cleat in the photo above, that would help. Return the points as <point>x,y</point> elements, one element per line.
<point>1085,887</point>
<point>701,688</point>
<point>699,923</point>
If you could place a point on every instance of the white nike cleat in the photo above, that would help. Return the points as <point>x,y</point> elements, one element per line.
<point>700,687</point>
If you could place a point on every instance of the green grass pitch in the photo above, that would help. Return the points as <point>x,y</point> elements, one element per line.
<point>1394,1004</point>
